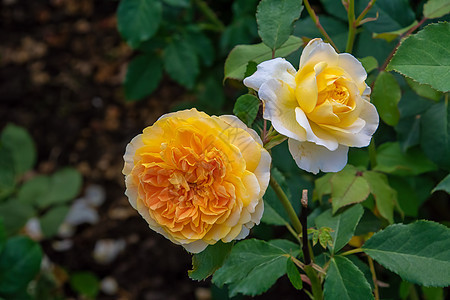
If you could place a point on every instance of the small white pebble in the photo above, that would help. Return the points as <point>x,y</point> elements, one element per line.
<point>107,250</point>
<point>109,285</point>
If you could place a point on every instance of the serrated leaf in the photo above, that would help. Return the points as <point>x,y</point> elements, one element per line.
<point>181,62</point>
<point>85,283</point>
<point>391,159</point>
<point>20,261</point>
<point>436,8</point>
<point>20,143</point>
<point>343,225</point>
<point>369,63</point>
<point>294,275</point>
<point>14,215</point>
<point>52,219</point>
<point>418,252</point>
<point>138,20</point>
<point>347,187</point>
<point>65,185</point>
<point>435,134</point>
<point>260,264</point>
<point>444,185</point>
<point>363,267</point>
<point>205,263</point>
<point>344,281</point>
<point>246,108</point>
<point>275,20</point>
<point>385,196</point>
<point>424,90</point>
<point>425,57</point>
<point>237,60</point>
<point>385,96</point>
<point>143,76</point>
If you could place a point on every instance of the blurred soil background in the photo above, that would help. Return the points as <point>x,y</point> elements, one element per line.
<point>62,63</point>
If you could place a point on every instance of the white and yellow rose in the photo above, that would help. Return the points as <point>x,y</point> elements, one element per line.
<point>323,108</point>
<point>197,179</point>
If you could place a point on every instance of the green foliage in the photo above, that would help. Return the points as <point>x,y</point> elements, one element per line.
<point>181,63</point>
<point>385,96</point>
<point>85,283</point>
<point>240,56</point>
<point>65,184</point>
<point>369,63</point>
<point>52,219</point>
<point>425,57</point>
<point>2,235</point>
<point>424,90</point>
<point>345,281</point>
<point>274,212</point>
<point>418,252</point>
<point>275,20</point>
<point>385,196</point>
<point>343,225</point>
<point>14,215</point>
<point>21,146</point>
<point>246,108</point>
<point>7,172</point>
<point>259,263</point>
<point>444,185</point>
<point>138,20</point>
<point>294,275</point>
<point>436,8</point>
<point>143,76</point>
<point>20,261</point>
<point>205,263</point>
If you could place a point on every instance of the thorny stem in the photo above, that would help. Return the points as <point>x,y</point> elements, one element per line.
<point>209,14</point>
<point>286,204</point>
<point>315,18</point>
<point>364,12</point>
<point>304,221</point>
<point>411,30</point>
<point>351,26</point>
<point>374,278</point>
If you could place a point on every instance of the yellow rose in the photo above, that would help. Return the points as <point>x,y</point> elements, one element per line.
<point>323,108</point>
<point>197,179</point>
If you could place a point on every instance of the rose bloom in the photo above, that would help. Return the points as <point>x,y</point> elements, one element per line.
<point>197,179</point>
<point>323,108</point>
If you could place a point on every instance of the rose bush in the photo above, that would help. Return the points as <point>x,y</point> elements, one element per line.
<point>197,179</point>
<point>323,108</point>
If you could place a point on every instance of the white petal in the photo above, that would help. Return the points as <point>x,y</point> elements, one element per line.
<point>259,210</point>
<point>317,51</point>
<point>279,108</point>
<point>262,172</point>
<point>314,133</point>
<point>314,158</point>
<point>277,68</point>
<point>370,115</point>
<point>128,157</point>
<point>132,190</point>
<point>354,68</point>
<point>195,247</point>
<point>243,234</point>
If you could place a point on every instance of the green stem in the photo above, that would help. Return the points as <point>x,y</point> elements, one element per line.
<point>353,251</point>
<point>286,204</point>
<point>374,278</point>
<point>364,12</point>
<point>209,14</point>
<point>316,286</point>
<point>372,154</point>
<point>351,26</point>
<point>315,18</point>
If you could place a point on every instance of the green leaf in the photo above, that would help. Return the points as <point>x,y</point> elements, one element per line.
<point>14,215</point>
<point>369,63</point>
<point>322,186</point>
<point>385,96</point>
<point>211,94</point>
<point>294,275</point>
<point>65,185</point>
<point>418,252</point>
<point>385,196</point>
<point>348,187</point>
<point>34,189</point>
<point>19,263</point>
<point>17,140</point>
<point>425,57</point>
<point>237,60</point>
<point>138,20</point>
<point>433,293</point>
<point>52,219</point>
<point>435,134</point>
<point>205,263</point>
<point>181,62</point>
<point>254,266</point>
<point>368,223</point>
<point>7,172</point>
<point>271,216</point>
<point>275,20</point>
<point>408,132</point>
<point>424,90</point>
<point>270,199</point>
<point>202,45</point>
<point>143,76</point>
<point>391,159</point>
<point>392,35</point>
<point>345,281</point>
<point>85,283</point>
<point>246,108</point>
<point>178,3</point>
<point>363,267</point>
<point>343,225</point>
<point>444,185</point>
<point>406,195</point>
<point>436,8</point>
<point>2,235</point>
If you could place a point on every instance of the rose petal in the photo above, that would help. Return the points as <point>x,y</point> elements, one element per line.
<point>277,68</point>
<point>354,68</point>
<point>314,158</point>
<point>317,51</point>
